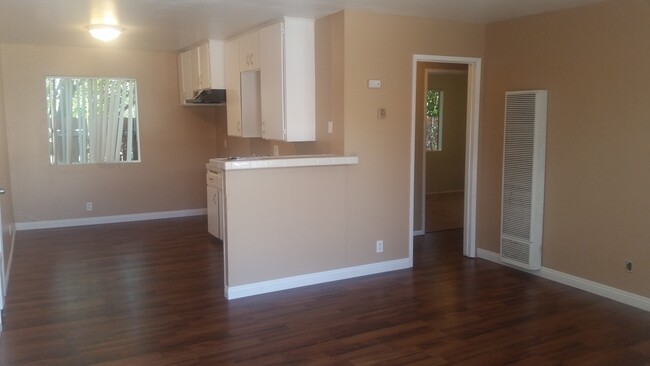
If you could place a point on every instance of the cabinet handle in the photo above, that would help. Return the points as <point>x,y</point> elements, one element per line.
<point>251,64</point>
<point>214,198</point>
<point>238,126</point>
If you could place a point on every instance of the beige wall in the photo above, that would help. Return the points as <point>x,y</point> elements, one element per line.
<point>329,102</point>
<point>175,141</point>
<point>445,170</point>
<point>593,62</point>
<point>6,202</point>
<point>382,47</point>
<point>285,222</point>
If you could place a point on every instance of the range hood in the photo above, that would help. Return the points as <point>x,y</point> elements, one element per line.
<point>209,96</point>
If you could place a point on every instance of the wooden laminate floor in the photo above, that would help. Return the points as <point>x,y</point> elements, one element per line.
<point>151,293</point>
<point>444,211</point>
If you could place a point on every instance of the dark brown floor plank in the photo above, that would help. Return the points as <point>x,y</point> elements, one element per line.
<point>151,293</point>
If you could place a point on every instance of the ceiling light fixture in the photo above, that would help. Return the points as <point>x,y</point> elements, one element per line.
<point>105,32</point>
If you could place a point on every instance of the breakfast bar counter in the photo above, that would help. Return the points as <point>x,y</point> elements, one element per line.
<point>266,162</point>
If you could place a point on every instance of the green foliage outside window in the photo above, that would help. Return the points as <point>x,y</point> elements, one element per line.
<point>433,140</point>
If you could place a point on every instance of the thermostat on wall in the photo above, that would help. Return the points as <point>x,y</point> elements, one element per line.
<point>374,84</point>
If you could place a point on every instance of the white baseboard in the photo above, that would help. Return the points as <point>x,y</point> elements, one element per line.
<point>418,232</point>
<point>11,260</point>
<point>609,292</point>
<point>258,288</point>
<point>31,225</point>
<point>443,192</point>
<point>490,256</point>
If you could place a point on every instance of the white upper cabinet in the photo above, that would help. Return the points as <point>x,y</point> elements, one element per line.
<point>249,52</point>
<point>270,82</point>
<point>272,73</point>
<point>233,101</point>
<point>201,67</point>
<point>287,65</point>
<point>242,95</point>
<point>205,69</point>
<point>185,81</point>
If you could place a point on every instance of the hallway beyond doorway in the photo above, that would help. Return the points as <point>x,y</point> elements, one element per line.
<point>444,211</point>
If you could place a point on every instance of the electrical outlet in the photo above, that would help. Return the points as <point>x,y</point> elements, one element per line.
<point>276,150</point>
<point>89,206</point>
<point>380,246</point>
<point>628,265</point>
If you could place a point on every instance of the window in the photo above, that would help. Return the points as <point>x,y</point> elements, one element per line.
<point>92,120</point>
<point>433,123</point>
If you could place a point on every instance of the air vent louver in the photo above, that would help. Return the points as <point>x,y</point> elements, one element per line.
<point>523,178</point>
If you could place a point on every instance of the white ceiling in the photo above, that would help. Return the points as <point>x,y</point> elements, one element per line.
<point>173,24</point>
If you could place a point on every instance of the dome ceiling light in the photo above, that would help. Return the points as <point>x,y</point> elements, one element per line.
<point>105,32</point>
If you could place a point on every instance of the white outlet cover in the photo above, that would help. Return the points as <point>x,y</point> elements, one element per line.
<point>374,84</point>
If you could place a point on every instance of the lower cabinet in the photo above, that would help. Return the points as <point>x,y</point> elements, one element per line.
<point>215,204</point>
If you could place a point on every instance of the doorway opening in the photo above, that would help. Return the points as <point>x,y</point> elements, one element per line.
<point>418,189</point>
<point>440,145</point>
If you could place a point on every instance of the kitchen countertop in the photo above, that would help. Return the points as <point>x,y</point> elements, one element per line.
<point>267,162</point>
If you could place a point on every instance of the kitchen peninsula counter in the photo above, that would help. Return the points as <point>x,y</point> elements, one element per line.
<point>268,162</point>
<point>285,221</point>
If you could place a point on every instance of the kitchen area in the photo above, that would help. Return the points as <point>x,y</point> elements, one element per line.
<point>277,198</point>
<point>279,218</point>
<point>320,222</point>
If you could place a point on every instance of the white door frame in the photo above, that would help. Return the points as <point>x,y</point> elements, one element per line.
<point>471,146</point>
<point>3,278</point>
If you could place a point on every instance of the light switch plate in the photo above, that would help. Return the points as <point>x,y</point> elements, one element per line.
<point>374,84</point>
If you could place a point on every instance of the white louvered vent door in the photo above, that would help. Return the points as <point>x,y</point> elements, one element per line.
<point>522,212</point>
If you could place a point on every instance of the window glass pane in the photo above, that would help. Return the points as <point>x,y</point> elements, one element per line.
<point>92,120</point>
<point>433,120</point>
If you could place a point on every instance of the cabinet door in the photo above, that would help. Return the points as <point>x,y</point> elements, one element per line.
<point>217,69</point>
<point>194,67</point>
<point>204,66</point>
<point>233,101</point>
<point>249,46</point>
<point>272,78</point>
<point>214,224</point>
<point>254,49</point>
<point>185,76</point>
<point>251,115</point>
